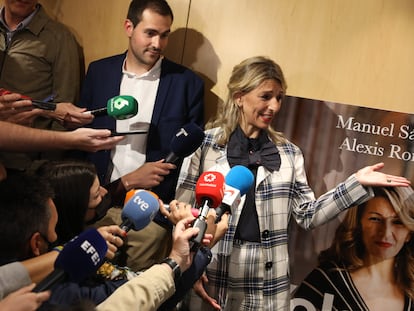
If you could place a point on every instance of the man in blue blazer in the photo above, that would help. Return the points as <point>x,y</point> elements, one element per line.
<point>179,101</point>
<point>169,96</point>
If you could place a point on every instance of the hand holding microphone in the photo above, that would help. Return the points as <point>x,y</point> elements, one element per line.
<point>183,234</point>
<point>22,107</point>
<point>209,193</point>
<point>151,174</point>
<point>113,235</point>
<point>176,210</point>
<point>147,176</point>
<point>119,107</point>
<point>185,142</point>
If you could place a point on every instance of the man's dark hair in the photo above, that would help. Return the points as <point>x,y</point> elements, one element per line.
<point>136,8</point>
<point>24,210</point>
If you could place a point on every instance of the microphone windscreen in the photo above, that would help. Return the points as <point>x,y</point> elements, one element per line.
<point>210,186</point>
<point>241,178</point>
<point>82,256</point>
<point>122,107</point>
<point>140,209</point>
<point>187,140</point>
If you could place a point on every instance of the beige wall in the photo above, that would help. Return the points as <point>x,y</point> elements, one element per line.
<point>355,52</point>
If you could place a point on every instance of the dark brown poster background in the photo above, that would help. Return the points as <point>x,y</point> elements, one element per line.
<point>337,140</point>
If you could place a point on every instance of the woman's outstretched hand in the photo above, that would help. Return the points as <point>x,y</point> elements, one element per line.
<point>370,176</point>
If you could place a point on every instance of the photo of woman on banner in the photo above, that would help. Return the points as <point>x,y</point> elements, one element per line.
<point>370,264</point>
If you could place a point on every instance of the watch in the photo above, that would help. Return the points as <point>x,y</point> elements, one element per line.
<point>174,266</point>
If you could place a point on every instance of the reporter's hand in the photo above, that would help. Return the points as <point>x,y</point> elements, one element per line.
<point>70,116</point>
<point>147,176</point>
<point>92,140</point>
<point>216,230</point>
<point>369,176</point>
<point>24,299</point>
<point>201,292</point>
<point>112,234</point>
<point>16,110</point>
<point>178,210</point>
<point>182,234</point>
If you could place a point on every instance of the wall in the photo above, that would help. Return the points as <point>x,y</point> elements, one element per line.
<point>354,52</point>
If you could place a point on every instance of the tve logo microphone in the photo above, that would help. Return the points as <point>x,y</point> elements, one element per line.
<point>142,203</point>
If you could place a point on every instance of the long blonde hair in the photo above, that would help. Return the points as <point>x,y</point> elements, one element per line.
<point>245,77</point>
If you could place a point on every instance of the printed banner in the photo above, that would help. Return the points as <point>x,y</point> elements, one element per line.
<point>337,140</point>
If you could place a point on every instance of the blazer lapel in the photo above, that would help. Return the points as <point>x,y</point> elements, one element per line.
<point>161,99</point>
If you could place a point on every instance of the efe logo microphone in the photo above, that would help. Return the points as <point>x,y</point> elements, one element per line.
<point>89,249</point>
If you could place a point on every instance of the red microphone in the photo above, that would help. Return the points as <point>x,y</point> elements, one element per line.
<point>209,193</point>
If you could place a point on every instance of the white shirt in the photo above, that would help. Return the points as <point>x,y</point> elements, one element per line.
<point>129,154</point>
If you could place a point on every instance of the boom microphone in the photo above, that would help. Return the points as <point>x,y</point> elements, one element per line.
<point>139,210</point>
<point>80,257</point>
<point>209,193</point>
<point>185,142</point>
<point>238,181</point>
<point>119,107</point>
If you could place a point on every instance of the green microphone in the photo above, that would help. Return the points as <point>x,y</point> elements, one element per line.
<point>119,107</point>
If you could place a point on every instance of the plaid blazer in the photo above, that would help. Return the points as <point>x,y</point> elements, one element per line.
<point>280,195</point>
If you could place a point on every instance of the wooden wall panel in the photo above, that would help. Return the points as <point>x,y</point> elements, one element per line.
<point>98,24</point>
<point>354,52</point>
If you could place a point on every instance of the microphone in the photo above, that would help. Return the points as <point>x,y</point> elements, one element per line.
<point>119,107</point>
<point>209,193</point>
<point>139,210</point>
<point>80,257</point>
<point>238,181</point>
<point>185,142</point>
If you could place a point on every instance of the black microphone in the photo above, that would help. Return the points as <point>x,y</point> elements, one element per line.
<point>185,142</point>
<point>80,257</point>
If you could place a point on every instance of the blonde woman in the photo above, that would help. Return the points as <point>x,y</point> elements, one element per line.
<point>249,270</point>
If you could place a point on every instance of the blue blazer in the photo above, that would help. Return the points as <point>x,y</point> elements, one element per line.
<point>179,101</point>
